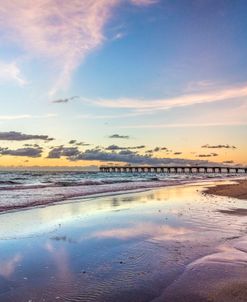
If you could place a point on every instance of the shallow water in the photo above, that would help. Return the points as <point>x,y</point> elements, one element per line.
<point>130,247</point>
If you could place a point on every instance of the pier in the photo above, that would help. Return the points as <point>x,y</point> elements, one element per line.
<point>175,169</point>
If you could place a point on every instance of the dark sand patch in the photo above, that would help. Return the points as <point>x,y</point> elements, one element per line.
<point>237,211</point>
<point>236,190</point>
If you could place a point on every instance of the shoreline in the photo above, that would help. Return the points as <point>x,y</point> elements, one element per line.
<point>104,190</point>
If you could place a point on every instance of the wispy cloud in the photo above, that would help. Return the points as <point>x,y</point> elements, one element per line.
<point>64,31</point>
<point>116,147</point>
<point>111,116</point>
<point>199,85</point>
<point>11,72</point>
<point>25,116</point>
<point>179,101</point>
<point>233,115</point>
<point>144,2</point>
<point>14,117</point>
<point>184,125</point>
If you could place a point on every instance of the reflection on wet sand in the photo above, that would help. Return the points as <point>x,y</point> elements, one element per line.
<point>9,265</point>
<point>48,219</point>
<point>150,230</point>
<point>43,219</point>
<point>157,245</point>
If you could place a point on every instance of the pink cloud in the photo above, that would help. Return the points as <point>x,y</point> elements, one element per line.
<point>64,31</point>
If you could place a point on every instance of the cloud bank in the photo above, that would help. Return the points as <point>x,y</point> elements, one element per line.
<point>124,156</point>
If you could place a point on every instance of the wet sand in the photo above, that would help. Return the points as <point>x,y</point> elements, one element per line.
<point>236,190</point>
<point>168,244</point>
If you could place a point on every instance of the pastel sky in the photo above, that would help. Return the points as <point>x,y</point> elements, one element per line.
<point>91,82</point>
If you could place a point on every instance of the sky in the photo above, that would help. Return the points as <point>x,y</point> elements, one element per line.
<point>85,83</point>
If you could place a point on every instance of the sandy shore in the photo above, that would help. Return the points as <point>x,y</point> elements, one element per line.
<point>236,190</point>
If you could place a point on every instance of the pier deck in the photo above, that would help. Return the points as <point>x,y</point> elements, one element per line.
<point>175,169</point>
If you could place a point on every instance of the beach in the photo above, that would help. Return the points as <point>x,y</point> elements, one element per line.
<point>175,243</point>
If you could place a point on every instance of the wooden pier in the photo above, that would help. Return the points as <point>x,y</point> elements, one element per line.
<point>177,169</point>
